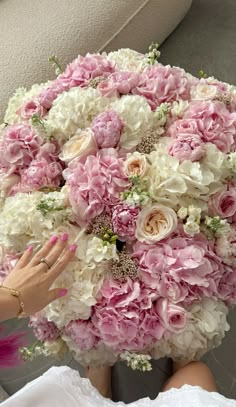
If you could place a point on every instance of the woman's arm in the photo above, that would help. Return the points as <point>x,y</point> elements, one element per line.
<point>9,305</point>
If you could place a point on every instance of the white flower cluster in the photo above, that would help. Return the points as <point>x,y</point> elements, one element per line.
<point>205,330</point>
<point>128,60</point>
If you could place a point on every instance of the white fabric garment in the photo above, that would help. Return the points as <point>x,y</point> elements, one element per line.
<point>63,387</point>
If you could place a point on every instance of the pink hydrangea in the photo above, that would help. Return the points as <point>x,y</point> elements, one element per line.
<point>44,330</point>
<point>119,83</point>
<point>30,108</point>
<point>227,286</point>
<point>223,203</point>
<point>78,73</point>
<point>187,147</point>
<point>96,184</point>
<point>8,261</point>
<point>122,320</point>
<point>124,221</point>
<point>161,83</point>
<point>19,146</point>
<point>107,128</point>
<point>181,268</point>
<point>215,123</point>
<point>81,333</point>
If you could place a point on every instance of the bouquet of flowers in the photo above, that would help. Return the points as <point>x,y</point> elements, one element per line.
<point>135,161</point>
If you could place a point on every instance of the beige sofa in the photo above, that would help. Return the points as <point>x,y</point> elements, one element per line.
<point>31,30</point>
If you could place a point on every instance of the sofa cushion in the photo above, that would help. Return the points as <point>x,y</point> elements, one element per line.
<point>31,31</point>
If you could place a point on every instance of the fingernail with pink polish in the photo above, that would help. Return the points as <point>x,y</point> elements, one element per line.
<point>64,237</point>
<point>53,239</point>
<point>73,248</point>
<point>63,292</point>
<point>30,248</point>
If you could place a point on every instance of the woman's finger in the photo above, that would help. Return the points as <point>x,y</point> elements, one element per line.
<point>25,258</point>
<point>54,254</point>
<point>62,262</point>
<point>55,294</point>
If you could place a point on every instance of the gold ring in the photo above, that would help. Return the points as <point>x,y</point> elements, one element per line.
<point>43,260</point>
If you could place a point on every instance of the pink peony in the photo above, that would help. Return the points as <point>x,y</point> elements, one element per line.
<point>30,108</point>
<point>173,316</point>
<point>81,333</point>
<point>122,320</point>
<point>215,123</point>
<point>223,203</point>
<point>124,221</point>
<point>161,83</point>
<point>107,128</point>
<point>39,174</point>
<point>182,127</point>
<point>44,330</point>
<point>187,147</point>
<point>19,146</point>
<point>95,185</point>
<point>119,83</point>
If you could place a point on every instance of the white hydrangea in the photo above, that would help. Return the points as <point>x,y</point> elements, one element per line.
<point>74,109</point>
<point>128,60</point>
<point>181,184</point>
<point>101,356</point>
<point>204,331</point>
<point>21,223</point>
<point>21,96</point>
<point>137,117</point>
<point>83,283</point>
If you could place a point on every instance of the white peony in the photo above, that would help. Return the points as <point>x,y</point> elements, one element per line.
<point>203,91</point>
<point>204,331</point>
<point>73,110</point>
<point>128,60</point>
<point>137,117</point>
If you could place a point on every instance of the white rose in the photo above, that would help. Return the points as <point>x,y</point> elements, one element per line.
<point>98,251</point>
<point>80,145</point>
<point>136,164</point>
<point>155,223</point>
<point>203,91</point>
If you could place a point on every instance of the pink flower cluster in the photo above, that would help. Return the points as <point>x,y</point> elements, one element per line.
<point>206,121</point>
<point>44,330</point>
<point>82,334</point>
<point>181,268</point>
<point>124,221</point>
<point>107,128</point>
<point>18,147</point>
<point>96,184</point>
<point>129,316</point>
<point>159,84</point>
<point>119,83</point>
<point>8,261</point>
<point>78,73</point>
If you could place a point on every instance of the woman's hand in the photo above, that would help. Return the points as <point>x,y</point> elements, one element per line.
<point>33,278</point>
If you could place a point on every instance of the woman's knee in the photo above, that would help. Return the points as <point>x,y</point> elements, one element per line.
<point>193,374</point>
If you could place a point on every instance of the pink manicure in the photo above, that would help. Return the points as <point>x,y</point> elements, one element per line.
<point>53,239</point>
<point>73,248</point>
<point>64,237</point>
<point>30,248</point>
<point>63,292</point>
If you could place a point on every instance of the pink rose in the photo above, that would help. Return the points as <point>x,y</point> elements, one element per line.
<point>30,108</point>
<point>187,147</point>
<point>118,83</point>
<point>161,83</point>
<point>173,316</point>
<point>81,333</point>
<point>95,185</point>
<point>124,221</point>
<point>18,147</point>
<point>107,128</point>
<point>215,123</point>
<point>223,203</point>
<point>44,330</point>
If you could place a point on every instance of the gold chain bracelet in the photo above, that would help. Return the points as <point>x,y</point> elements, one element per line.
<point>16,293</point>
